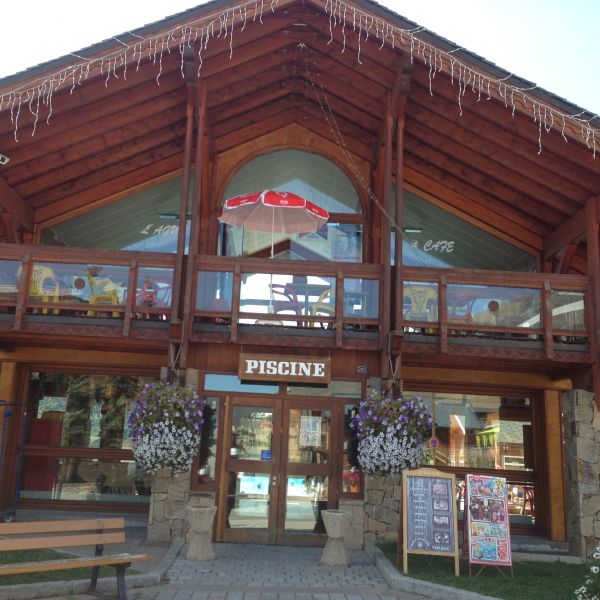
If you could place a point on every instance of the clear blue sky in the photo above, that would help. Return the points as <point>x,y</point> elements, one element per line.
<point>554,43</point>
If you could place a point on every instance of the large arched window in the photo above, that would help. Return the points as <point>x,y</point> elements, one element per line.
<point>314,178</point>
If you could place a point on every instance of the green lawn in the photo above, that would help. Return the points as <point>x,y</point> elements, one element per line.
<point>531,581</point>
<point>33,555</point>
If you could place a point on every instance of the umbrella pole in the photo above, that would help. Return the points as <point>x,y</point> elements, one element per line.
<point>272,233</point>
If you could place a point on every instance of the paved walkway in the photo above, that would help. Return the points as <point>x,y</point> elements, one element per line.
<point>252,572</point>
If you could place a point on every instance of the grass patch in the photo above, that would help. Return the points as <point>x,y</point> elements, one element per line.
<point>35,555</point>
<point>531,581</point>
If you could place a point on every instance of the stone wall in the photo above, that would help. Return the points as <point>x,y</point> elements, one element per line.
<point>382,506</point>
<point>168,501</point>
<point>354,538</point>
<point>167,517</point>
<point>582,453</point>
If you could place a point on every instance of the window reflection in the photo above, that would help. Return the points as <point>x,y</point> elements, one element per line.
<point>251,433</point>
<point>477,431</point>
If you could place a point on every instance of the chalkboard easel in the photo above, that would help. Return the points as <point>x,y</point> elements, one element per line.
<point>429,521</point>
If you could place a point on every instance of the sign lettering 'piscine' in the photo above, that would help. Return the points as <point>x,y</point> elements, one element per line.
<point>265,367</point>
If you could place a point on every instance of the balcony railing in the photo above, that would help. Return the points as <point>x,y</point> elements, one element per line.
<point>327,304</point>
<point>117,290</point>
<point>512,307</point>
<point>68,291</point>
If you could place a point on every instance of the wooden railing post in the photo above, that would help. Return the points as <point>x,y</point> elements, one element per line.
<point>443,313</point>
<point>339,308</point>
<point>235,303</point>
<point>546,315</point>
<point>130,301</point>
<point>22,293</point>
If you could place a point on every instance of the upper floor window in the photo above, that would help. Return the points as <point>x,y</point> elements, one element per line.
<point>147,221</point>
<point>434,237</point>
<point>314,178</point>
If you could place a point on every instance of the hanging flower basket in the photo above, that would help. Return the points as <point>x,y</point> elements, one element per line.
<point>392,433</point>
<point>165,427</point>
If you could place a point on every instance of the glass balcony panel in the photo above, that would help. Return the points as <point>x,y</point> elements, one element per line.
<point>494,306</point>
<point>9,280</point>
<point>420,301</point>
<point>154,287</point>
<point>361,298</point>
<point>295,295</point>
<point>214,291</point>
<point>78,284</point>
<point>568,310</point>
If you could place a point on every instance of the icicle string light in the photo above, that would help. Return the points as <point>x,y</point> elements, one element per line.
<point>152,48</point>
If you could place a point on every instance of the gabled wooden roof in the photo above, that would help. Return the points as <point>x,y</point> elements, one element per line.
<point>478,141</point>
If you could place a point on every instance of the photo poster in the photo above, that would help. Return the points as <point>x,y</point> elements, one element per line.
<point>488,530</point>
<point>310,431</point>
<point>429,519</point>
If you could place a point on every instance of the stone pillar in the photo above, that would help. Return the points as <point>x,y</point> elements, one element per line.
<point>167,519</point>
<point>382,507</point>
<point>354,538</point>
<point>582,484</point>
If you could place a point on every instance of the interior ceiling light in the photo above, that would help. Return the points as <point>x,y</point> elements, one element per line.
<point>412,230</point>
<point>4,160</point>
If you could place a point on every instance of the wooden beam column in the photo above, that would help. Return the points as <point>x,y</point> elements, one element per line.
<point>190,280</point>
<point>593,261</point>
<point>385,242</point>
<point>191,78</point>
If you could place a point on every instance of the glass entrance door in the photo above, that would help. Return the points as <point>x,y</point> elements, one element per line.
<point>280,471</point>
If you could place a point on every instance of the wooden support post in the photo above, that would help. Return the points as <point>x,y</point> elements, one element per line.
<point>547,320</point>
<point>385,239</point>
<point>593,261</point>
<point>399,314</point>
<point>188,309</point>
<point>555,478</point>
<point>190,74</point>
<point>130,299</point>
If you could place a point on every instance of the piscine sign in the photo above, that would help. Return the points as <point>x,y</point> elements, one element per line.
<point>266,367</point>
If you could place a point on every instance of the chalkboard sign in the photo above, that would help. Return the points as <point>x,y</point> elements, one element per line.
<point>429,514</point>
<point>488,531</point>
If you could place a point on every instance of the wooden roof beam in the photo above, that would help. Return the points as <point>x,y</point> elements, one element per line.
<point>16,206</point>
<point>572,231</point>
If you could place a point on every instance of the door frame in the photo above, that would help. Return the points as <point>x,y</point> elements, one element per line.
<point>278,468</point>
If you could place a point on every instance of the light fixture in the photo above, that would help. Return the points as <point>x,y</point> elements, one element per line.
<point>412,230</point>
<point>168,216</point>
<point>4,160</point>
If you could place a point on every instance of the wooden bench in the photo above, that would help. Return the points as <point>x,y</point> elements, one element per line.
<point>37,535</point>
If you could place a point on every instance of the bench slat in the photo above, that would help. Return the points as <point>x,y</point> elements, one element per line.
<point>23,527</point>
<point>71,563</point>
<point>61,541</point>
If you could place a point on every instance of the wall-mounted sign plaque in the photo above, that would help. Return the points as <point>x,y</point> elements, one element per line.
<point>266,367</point>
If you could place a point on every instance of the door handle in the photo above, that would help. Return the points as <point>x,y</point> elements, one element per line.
<point>274,480</point>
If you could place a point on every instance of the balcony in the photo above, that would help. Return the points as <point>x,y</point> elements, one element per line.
<point>75,292</point>
<point>522,316</point>
<point>446,315</point>
<point>314,304</point>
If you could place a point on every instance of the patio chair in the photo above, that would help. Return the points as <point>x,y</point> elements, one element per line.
<point>44,286</point>
<point>284,300</point>
<point>325,306</point>
<point>102,291</point>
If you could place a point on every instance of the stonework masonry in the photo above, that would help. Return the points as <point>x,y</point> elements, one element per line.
<point>382,506</point>
<point>581,424</point>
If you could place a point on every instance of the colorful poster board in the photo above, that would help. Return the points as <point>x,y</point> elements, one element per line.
<point>488,531</point>
<point>429,514</point>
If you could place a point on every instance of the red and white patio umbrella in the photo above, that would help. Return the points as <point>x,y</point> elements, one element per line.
<point>277,212</point>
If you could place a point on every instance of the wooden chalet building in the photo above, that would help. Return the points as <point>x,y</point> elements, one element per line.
<point>461,254</point>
